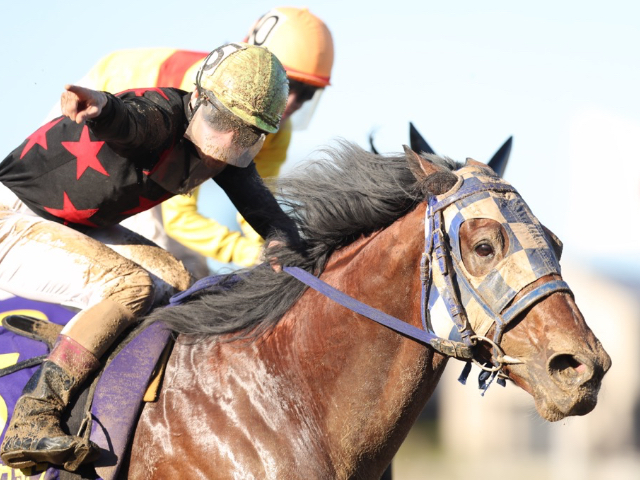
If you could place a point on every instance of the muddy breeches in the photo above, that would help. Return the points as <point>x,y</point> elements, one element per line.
<point>112,275</point>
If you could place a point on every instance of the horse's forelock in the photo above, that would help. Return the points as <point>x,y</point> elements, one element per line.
<point>440,182</point>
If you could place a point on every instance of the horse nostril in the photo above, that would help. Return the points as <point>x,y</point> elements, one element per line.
<point>569,370</point>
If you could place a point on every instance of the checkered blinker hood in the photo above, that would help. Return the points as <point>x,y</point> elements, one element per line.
<point>481,194</point>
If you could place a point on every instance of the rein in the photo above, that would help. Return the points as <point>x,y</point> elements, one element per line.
<point>446,347</point>
<point>438,255</point>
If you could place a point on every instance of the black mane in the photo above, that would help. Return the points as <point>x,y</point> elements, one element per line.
<point>345,194</point>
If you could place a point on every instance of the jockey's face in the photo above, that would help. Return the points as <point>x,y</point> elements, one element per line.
<point>220,137</point>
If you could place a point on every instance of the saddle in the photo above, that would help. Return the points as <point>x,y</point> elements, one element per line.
<point>107,410</point>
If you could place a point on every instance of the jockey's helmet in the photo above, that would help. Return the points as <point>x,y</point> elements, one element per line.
<point>249,81</point>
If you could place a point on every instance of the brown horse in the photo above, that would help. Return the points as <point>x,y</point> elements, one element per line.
<point>269,379</point>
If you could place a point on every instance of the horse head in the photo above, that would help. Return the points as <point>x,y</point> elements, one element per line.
<point>494,273</point>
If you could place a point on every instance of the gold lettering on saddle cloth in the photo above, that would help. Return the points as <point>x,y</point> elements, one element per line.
<point>9,359</point>
<point>6,360</point>
<point>31,473</point>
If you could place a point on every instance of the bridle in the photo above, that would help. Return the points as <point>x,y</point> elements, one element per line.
<point>448,287</point>
<point>438,255</point>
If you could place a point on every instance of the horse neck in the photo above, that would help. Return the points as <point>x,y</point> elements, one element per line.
<point>328,393</point>
<point>369,383</point>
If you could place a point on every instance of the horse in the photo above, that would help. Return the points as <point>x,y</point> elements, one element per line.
<point>271,379</point>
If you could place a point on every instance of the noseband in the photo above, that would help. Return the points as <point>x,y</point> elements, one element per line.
<point>449,290</point>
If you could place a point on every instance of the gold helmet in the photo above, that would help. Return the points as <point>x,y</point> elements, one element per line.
<point>247,80</point>
<point>300,40</point>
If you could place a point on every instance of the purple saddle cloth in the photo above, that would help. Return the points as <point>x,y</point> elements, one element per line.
<point>118,396</point>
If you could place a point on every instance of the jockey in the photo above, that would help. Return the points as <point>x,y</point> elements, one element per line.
<point>67,187</point>
<point>303,43</point>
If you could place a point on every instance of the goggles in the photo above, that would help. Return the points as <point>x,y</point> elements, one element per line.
<point>220,136</point>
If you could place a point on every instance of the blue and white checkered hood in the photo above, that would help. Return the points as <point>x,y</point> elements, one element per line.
<point>481,194</point>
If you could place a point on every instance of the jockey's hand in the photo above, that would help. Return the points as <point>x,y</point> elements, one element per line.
<point>273,261</point>
<point>80,104</point>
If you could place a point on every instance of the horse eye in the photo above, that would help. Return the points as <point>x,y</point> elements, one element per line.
<point>484,250</point>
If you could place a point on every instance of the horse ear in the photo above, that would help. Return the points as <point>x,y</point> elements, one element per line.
<point>373,149</point>
<point>436,180</point>
<point>420,167</point>
<point>500,159</point>
<point>417,141</point>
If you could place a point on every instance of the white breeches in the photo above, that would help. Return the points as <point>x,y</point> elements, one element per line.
<point>47,261</point>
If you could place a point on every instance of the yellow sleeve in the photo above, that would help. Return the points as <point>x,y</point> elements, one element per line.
<point>185,224</point>
<point>144,67</point>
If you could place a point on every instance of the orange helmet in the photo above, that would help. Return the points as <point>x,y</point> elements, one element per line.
<point>301,41</point>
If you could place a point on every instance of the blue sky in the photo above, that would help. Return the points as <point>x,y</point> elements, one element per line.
<point>561,77</point>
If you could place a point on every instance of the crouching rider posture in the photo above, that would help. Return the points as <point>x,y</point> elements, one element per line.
<point>66,188</point>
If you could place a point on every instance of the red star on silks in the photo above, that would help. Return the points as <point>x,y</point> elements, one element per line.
<point>141,91</point>
<point>70,214</point>
<point>145,204</point>
<point>87,153</point>
<point>39,137</point>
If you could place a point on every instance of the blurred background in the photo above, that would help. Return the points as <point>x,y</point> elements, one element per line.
<point>562,78</point>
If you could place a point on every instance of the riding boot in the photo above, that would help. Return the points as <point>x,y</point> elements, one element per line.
<point>34,434</point>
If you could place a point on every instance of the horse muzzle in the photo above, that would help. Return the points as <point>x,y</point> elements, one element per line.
<point>567,384</point>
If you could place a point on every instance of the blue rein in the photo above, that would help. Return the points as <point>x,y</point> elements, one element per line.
<point>447,347</point>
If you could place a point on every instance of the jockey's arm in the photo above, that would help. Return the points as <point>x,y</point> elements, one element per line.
<point>256,203</point>
<point>138,124</point>
<point>269,161</point>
